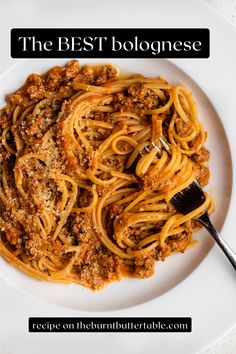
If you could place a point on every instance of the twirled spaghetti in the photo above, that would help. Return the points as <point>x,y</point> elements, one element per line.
<point>85,183</point>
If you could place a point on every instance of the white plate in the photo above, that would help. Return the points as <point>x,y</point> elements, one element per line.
<point>207,294</point>
<point>131,292</point>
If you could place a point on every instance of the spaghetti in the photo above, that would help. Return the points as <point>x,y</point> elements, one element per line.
<point>85,184</point>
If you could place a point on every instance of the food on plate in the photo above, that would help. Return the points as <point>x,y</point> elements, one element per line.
<point>85,183</point>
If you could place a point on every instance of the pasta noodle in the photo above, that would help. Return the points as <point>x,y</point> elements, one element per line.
<point>85,185</point>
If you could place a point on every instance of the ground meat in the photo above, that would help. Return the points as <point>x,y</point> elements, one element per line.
<point>143,267</point>
<point>77,228</point>
<point>54,78</point>
<point>106,73</point>
<point>202,174</point>
<point>156,182</point>
<point>179,242</point>
<point>115,210</point>
<point>66,91</point>
<point>97,115</point>
<point>20,98</point>
<point>37,123</point>
<point>34,245</point>
<point>162,253</point>
<point>4,119</point>
<point>202,155</point>
<point>137,234</point>
<point>86,75</point>
<point>137,99</point>
<point>58,80</point>
<point>85,198</point>
<point>139,92</point>
<point>95,264</point>
<point>115,161</point>
<point>72,69</point>
<point>101,190</point>
<point>85,159</point>
<point>4,154</point>
<point>36,89</point>
<point>183,129</point>
<point>13,235</point>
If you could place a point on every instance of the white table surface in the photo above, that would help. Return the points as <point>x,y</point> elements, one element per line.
<point>227,343</point>
<point>224,345</point>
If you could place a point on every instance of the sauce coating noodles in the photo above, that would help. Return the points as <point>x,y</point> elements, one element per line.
<point>85,183</point>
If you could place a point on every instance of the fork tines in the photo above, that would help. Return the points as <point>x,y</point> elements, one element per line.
<point>189,199</point>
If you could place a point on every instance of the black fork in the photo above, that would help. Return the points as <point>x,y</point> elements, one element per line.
<point>191,198</point>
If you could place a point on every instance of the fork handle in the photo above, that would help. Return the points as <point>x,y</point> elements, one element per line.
<point>230,254</point>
